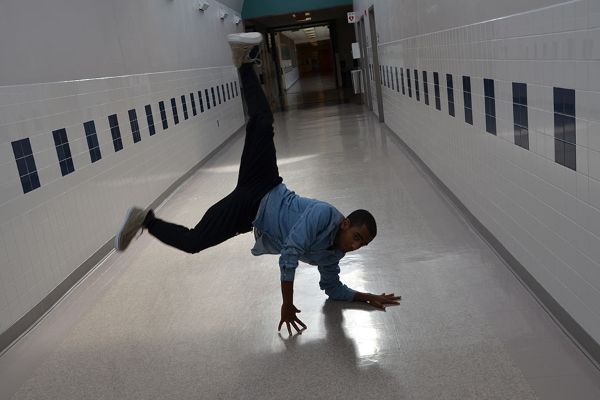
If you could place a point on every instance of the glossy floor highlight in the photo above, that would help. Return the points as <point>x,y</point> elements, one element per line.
<point>156,323</point>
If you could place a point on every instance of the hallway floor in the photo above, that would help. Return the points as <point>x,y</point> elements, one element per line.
<point>155,323</point>
<point>317,91</point>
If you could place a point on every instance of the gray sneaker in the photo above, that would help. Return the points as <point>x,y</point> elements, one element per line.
<point>241,45</point>
<point>134,220</point>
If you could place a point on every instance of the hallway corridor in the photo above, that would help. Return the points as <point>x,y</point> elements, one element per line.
<point>155,323</point>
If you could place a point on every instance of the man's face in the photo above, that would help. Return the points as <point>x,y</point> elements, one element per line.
<point>350,238</point>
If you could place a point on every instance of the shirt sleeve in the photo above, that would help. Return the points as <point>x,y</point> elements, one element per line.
<point>330,283</point>
<point>301,236</point>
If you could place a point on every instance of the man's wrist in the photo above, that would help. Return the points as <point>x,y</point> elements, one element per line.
<point>364,297</point>
<point>287,292</point>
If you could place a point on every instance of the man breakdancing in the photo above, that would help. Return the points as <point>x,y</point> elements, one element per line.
<point>297,228</point>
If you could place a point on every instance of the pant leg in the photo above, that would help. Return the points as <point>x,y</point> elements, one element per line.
<point>220,222</point>
<point>258,165</point>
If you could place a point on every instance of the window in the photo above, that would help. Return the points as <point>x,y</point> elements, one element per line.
<point>150,119</point>
<point>450,88</point>
<point>63,151</point>
<point>520,117</point>
<point>163,114</point>
<point>236,88</point>
<point>467,100</point>
<point>381,75</point>
<point>193,101</point>
<point>223,91</point>
<point>227,85</point>
<point>174,109</point>
<point>425,88</point>
<point>490,106</point>
<point>26,165</point>
<point>184,105</point>
<point>397,83</point>
<point>402,79</point>
<point>408,81</point>
<point>113,122</point>
<point>207,99</point>
<point>212,91</point>
<point>417,86</point>
<point>436,90</point>
<point>564,128</point>
<point>92,141</point>
<point>392,78</point>
<point>200,102</point>
<point>219,93</point>
<point>135,128</point>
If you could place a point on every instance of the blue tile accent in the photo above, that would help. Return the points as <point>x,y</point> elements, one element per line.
<point>92,140</point>
<point>184,105</point>
<point>417,94</point>
<point>150,119</point>
<point>425,88</point>
<point>402,80</point>
<point>436,89</point>
<point>163,114</point>
<point>193,101</point>
<point>467,100</point>
<point>490,106</point>
<point>113,122</point>
<point>63,150</point>
<point>174,109</point>
<point>565,130</point>
<point>135,127</point>
<point>520,117</point>
<point>409,83</point>
<point>450,89</point>
<point>26,165</point>
<point>200,102</point>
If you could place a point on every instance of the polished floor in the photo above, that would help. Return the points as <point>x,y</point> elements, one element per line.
<point>316,91</point>
<point>155,323</point>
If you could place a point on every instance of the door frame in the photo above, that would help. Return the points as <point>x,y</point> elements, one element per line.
<point>375,53</point>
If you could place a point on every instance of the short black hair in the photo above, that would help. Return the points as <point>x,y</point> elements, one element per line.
<point>363,217</point>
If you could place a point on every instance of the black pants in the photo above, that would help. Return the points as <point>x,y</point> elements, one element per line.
<point>258,174</point>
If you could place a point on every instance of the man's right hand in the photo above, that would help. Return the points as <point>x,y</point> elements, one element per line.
<point>288,315</point>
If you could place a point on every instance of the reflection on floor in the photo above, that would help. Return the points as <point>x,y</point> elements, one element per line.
<point>156,323</point>
<point>316,91</point>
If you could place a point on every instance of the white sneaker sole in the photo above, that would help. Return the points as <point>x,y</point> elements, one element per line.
<point>250,38</point>
<point>120,232</point>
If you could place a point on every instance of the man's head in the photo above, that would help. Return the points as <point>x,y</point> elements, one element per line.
<point>356,230</point>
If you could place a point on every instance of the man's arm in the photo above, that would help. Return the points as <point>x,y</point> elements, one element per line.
<point>377,301</point>
<point>336,290</point>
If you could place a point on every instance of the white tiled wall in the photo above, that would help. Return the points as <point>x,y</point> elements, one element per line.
<point>47,233</point>
<point>546,215</point>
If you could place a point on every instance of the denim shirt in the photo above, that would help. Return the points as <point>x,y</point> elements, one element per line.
<point>302,229</point>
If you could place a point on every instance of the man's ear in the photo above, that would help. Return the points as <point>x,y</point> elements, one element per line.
<point>345,224</point>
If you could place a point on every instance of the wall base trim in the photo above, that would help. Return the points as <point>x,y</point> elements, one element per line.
<point>31,318</point>
<point>586,343</point>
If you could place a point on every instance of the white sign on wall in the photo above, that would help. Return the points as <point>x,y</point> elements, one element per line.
<point>351,17</point>
<point>355,50</point>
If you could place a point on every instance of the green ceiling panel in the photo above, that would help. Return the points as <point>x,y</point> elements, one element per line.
<point>262,8</point>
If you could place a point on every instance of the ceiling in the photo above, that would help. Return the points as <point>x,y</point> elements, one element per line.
<point>299,18</point>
